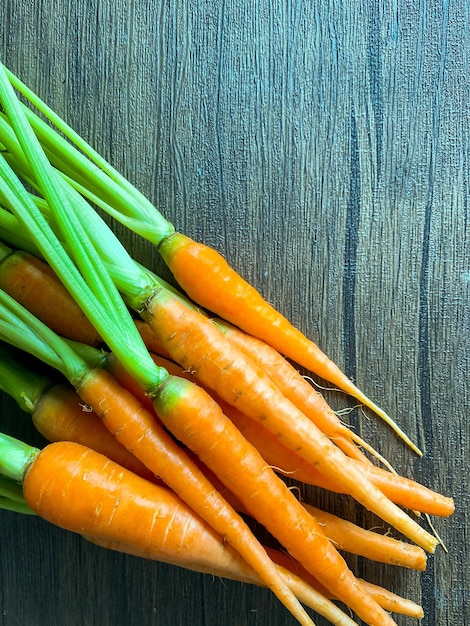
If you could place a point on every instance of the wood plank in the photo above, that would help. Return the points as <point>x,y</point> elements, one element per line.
<point>323,149</point>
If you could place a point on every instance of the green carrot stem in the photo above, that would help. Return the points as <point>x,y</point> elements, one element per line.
<point>4,251</point>
<point>15,506</point>
<point>15,235</point>
<point>131,279</point>
<point>71,228</point>
<point>102,304</point>
<point>15,457</point>
<point>23,385</point>
<point>11,489</point>
<point>105,179</point>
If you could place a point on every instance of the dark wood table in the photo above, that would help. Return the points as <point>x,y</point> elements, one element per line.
<point>323,148</point>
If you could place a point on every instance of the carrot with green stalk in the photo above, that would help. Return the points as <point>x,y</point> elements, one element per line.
<point>172,318</point>
<point>82,491</point>
<point>200,270</point>
<point>141,300</point>
<point>168,390</point>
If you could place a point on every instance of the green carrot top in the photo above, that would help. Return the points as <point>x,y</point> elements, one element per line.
<point>73,256</point>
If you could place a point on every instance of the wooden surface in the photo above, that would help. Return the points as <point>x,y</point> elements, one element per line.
<point>323,147</point>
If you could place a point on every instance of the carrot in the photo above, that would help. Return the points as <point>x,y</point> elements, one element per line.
<point>80,490</point>
<point>33,283</point>
<point>209,280</point>
<point>197,345</point>
<point>345,535</point>
<point>197,420</point>
<point>400,490</point>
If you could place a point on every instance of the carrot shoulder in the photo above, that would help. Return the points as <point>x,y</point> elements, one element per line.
<point>209,280</point>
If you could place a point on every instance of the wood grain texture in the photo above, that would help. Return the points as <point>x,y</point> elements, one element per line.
<point>323,148</point>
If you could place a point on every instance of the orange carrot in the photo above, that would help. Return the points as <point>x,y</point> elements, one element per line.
<point>199,346</point>
<point>209,280</point>
<point>82,491</point>
<point>197,420</point>
<point>61,416</point>
<point>138,431</point>
<point>32,283</point>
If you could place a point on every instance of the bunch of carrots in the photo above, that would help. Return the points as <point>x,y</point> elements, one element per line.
<point>175,414</point>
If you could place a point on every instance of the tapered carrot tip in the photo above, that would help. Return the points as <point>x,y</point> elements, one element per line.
<point>209,280</point>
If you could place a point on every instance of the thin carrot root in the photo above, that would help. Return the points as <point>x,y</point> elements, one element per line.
<point>393,602</point>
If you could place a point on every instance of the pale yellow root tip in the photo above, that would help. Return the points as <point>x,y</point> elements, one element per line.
<point>388,420</point>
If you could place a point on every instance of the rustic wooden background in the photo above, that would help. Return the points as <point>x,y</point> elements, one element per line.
<point>323,147</point>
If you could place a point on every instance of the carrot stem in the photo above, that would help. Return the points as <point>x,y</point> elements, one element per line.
<point>98,296</point>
